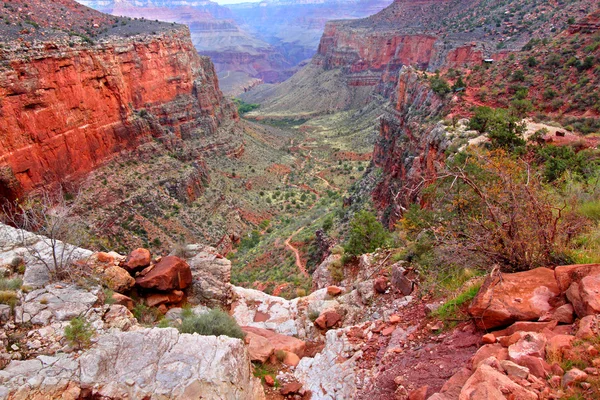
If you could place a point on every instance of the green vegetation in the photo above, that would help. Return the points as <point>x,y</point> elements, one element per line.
<point>243,107</point>
<point>79,333</point>
<point>215,322</point>
<point>453,310</point>
<point>366,234</point>
<point>10,284</point>
<point>146,315</point>
<point>504,128</point>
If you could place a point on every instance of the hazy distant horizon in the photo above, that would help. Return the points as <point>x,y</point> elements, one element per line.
<point>223,2</point>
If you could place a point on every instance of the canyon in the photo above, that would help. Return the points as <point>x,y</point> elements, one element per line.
<point>311,245</point>
<point>249,43</point>
<point>69,105</point>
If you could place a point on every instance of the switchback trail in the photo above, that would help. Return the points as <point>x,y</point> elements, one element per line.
<point>299,264</point>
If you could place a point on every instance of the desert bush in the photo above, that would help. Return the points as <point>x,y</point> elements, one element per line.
<point>79,332</point>
<point>503,127</point>
<point>10,284</point>
<point>494,207</point>
<point>53,217</point>
<point>366,234</point>
<point>215,322</point>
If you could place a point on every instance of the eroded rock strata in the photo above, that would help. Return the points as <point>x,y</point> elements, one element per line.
<point>70,103</point>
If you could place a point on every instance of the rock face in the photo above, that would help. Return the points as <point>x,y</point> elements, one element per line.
<point>67,105</point>
<point>330,374</point>
<point>211,275</point>
<point>36,251</point>
<point>522,296</point>
<point>407,149</point>
<point>141,364</point>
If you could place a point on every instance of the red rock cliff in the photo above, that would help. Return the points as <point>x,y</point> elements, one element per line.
<point>67,106</point>
<point>409,150</point>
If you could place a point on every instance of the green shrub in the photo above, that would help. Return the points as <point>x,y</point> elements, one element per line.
<point>10,284</point>
<point>79,332</point>
<point>366,234</point>
<point>591,210</point>
<point>215,322</point>
<point>450,312</point>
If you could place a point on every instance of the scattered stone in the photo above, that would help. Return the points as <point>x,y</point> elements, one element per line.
<point>531,344</point>
<point>563,315</point>
<point>557,344</point>
<point>171,297</point>
<point>566,275</point>
<point>589,327</point>
<point>513,369</point>
<point>279,341</point>
<point>328,320</point>
<point>487,383</point>
<point>123,300</point>
<point>489,350</point>
<point>269,381</point>
<point>585,295</point>
<point>388,331</point>
<point>291,388</point>
<point>291,359</point>
<point>419,394</point>
<point>400,281</point>
<point>137,260</point>
<point>488,338</point>
<point>259,348</point>
<point>169,274</point>
<point>573,376</point>
<point>537,366</point>
<point>334,291</point>
<point>394,319</point>
<point>380,285</point>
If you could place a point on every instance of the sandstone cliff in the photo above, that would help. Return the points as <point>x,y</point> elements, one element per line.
<point>69,102</point>
<point>367,53</point>
<point>409,149</point>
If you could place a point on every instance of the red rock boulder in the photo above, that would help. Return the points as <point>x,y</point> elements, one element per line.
<point>279,341</point>
<point>568,274</point>
<point>156,299</point>
<point>137,260</point>
<point>585,295</point>
<point>507,298</point>
<point>171,273</point>
<point>328,320</point>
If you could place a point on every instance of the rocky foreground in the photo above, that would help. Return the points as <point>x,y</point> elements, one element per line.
<point>533,334</point>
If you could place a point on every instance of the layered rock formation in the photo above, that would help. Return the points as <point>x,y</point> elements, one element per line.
<point>407,150</point>
<point>364,56</point>
<point>70,102</point>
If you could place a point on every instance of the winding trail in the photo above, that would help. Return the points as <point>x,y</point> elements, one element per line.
<point>299,264</point>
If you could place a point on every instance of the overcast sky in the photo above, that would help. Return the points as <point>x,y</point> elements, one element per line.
<point>235,1</point>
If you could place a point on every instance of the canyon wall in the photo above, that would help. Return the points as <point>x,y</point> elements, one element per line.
<point>410,148</point>
<point>67,105</point>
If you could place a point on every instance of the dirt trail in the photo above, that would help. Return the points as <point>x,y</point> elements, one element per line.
<point>299,264</point>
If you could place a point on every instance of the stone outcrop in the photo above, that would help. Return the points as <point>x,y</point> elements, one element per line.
<point>211,274</point>
<point>522,296</point>
<point>141,364</point>
<point>36,252</point>
<point>68,105</point>
<point>331,373</point>
<point>407,149</point>
<point>170,273</point>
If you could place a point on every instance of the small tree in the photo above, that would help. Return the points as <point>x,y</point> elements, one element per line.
<point>366,234</point>
<point>60,231</point>
<point>495,208</point>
